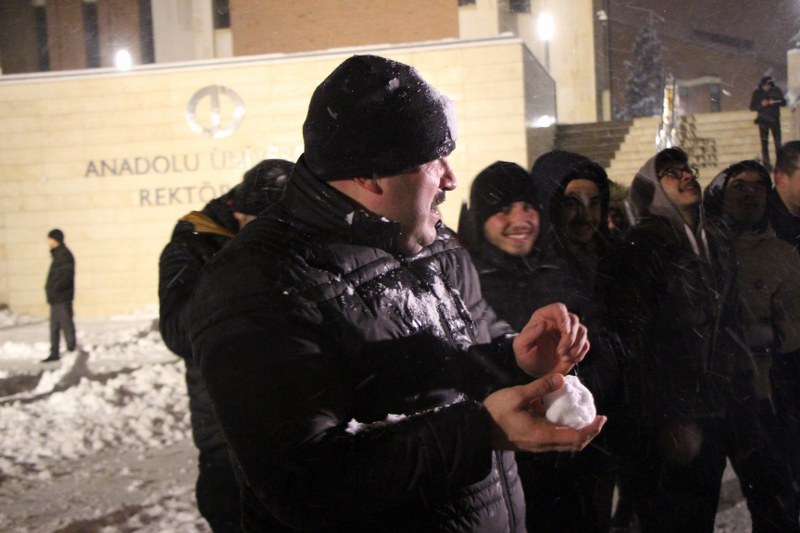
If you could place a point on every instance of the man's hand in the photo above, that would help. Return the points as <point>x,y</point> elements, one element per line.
<point>519,422</point>
<point>553,340</point>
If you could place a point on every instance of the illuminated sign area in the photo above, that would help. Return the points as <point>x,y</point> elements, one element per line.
<point>205,111</point>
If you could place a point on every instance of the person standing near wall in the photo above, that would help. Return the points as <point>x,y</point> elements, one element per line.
<point>60,290</point>
<point>197,237</point>
<point>766,101</point>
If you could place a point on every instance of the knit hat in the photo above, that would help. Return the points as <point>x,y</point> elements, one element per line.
<point>767,80</point>
<point>56,235</point>
<point>498,185</point>
<point>261,186</point>
<point>374,116</point>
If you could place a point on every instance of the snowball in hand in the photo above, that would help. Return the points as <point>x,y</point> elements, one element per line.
<point>572,405</point>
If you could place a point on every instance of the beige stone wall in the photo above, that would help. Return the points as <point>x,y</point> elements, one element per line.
<point>109,157</point>
<point>571,55</point>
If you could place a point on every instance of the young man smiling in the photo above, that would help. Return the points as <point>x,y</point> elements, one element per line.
<point>360,378</point>
<point>500,230</point>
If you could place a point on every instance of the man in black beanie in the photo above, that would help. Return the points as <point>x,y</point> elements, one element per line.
<point>60,290</point>
<point>500,229</point>
<point>361,380</point>
<point>196,238</point>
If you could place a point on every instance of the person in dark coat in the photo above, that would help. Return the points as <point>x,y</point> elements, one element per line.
<point>768,280</point>
<point>670,298</point>
<point>500,229</point>
<point>60,291</point>
<point>362,381</point>
<point>783,203</point>
<point>767,100</point>
<point>196,238</point>
<point>575,193</point>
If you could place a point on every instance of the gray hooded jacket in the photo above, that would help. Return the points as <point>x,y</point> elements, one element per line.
<point>670,300</point>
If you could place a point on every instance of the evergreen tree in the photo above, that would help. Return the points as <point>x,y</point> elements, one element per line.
<point>645,75</point>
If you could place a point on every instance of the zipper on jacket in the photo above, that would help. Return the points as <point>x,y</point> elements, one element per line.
<point>506,491</point>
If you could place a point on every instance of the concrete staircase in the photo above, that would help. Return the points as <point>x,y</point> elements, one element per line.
<point>712,140</point>
<point>598,141</point>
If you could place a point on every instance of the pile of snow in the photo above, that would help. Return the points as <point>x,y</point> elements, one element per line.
<point>8,319</point>
<point>122,389</point>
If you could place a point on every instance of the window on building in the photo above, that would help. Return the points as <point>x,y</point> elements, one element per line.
<point>519,6</point>
<point>683,100</point>
<point>462,3</point>
<point>222,14</point>
<point>713,94</point>
<point>42,48</point>
<point>146,32</point>
<point>91,34</point>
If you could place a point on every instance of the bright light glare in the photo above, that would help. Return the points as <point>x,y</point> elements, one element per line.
<point>123,60</point>
<point>545,26</point>
<point>545,121</point>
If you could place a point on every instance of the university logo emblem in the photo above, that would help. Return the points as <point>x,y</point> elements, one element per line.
<point>215,111</point>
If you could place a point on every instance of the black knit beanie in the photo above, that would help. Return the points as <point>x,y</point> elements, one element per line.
<point>498,185</point>
<point>374,116</point>
<point>261,186</point>
<point>56,235</point>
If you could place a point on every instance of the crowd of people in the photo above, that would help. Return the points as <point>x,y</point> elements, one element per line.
<point>355,365</point>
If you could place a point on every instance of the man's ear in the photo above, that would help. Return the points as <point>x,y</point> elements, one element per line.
<point>370,184</point>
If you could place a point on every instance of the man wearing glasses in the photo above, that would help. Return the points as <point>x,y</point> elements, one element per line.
<point>670,299</point>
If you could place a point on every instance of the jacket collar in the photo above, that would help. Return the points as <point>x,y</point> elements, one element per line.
<point>319,205</point>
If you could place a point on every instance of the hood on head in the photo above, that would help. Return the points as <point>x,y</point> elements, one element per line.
<point>714,191</point>
<point>647,195</point>
<point>554,170</point>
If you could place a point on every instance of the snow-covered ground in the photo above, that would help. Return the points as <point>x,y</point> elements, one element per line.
<point>100,442</point>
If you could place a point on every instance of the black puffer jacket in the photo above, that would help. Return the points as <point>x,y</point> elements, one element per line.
<point>348,380</point>
<point>60,284</point>
<point>195,239</point>
<point>671,300</point>
<point>507,282</point>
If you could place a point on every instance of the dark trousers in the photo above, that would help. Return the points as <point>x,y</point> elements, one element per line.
<point>61,320</point>
<point>684,497</point>
<point>763,133</point>
<point>568,492</point>
<point>217,492</point>
<point>784,419</point>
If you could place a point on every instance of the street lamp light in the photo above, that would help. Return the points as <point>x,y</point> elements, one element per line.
<point>546,27</point>
<point>123,60</point>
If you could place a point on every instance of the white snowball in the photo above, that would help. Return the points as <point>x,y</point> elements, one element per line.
<point>572,405</point>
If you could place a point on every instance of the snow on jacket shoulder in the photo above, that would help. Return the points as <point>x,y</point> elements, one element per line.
<point>348,380</point>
